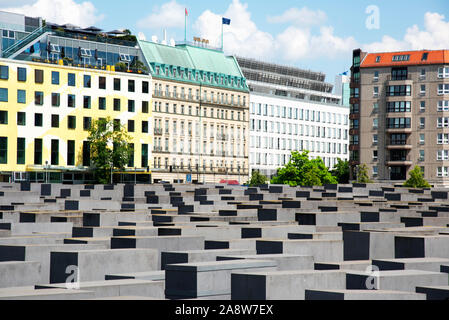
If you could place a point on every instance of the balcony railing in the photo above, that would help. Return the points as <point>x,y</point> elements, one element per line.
<point>158,131</point>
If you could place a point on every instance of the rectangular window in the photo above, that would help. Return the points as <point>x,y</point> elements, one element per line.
<point>55,99</point>
<point>87,81</point>
<point>422,106</point>
<point>117,86</point>
<point>87,102</point>
<point>116,104</point>
<point>403,90</point>
<point>39,98</point>
<point>443,89</point>
<point>87,123</point>
<point>443,105</point>
<point>130,125</point>
<point>131,156</point>
<point>131,106</point>
<point>131,85</point>
<point>21,118</point>
<point>102,83</point>
<point>55,121</point>
<point>422,123</point>
<point>38,76</point>
<point>21,74</point>
<point>4,72</point>
<point>55,77</point>
<point>144,126</point>
<point>398,123</point>
<point>117,124</point>
<point>443,122</point>
<point>3,150</point>
<point>3,95</point>
<point>144,106</point>
<point>38,119</point>
<point>71,122</point>
<point>71,80</point>
<point>71,101</point>
<point>86,153</point>
<point>37,151</point>
<point>422,139</point>
<point>21,96</point>
<point>144,155</point>
<point>20,150</point>
<point>443,72</point>
<point>145,87</point>
<point>71,153</point>
<point>102,103</point>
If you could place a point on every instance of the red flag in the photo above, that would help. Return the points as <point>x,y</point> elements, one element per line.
<point>187,13</point>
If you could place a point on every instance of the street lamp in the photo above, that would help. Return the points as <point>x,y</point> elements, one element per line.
<point>135,175</point>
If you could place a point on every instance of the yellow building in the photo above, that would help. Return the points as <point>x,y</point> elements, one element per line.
<point>45,113</point>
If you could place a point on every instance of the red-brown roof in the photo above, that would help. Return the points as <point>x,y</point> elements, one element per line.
<point>386,58</point>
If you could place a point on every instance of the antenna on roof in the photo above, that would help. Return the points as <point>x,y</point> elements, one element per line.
<point>154,39</point>
<point>164,41</point>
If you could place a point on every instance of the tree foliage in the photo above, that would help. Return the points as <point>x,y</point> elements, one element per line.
<point>416,179</point>
<point>257,179</point>
<point>362,174</point>
<point>341,171</point>
<point>301,171</point>
<point>109,148</point>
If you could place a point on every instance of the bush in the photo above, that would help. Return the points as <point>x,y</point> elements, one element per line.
<point>416,179</point>
<point>362,174</point>
<point>341,171</point>
<point>257,179</point>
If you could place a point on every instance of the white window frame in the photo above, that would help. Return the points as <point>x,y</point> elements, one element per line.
<point>443,105</point>
<point>443,72</point>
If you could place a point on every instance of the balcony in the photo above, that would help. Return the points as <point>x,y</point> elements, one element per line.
<point>399,161</point>
<point>157,149</point>
<point>399,147</point>
<point>399,130</point>
<point>158,131</point>
<point>398,80</point>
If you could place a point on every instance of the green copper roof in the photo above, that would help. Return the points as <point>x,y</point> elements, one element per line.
<point>207,63</point>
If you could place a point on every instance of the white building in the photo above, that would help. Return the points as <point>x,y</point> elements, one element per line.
<point>293,110</point>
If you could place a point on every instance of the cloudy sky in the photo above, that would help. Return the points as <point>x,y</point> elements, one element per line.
<point>318,35</point>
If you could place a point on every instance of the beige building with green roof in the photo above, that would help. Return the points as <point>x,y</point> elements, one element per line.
<point>201,114</point>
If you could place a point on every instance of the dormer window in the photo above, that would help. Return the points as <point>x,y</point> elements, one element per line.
<point>125,57</point>
<point>377,59</point>
<point>425,55</point>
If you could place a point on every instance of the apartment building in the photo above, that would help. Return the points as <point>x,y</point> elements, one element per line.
<point>201,114</point>
<point>292,110</point>
<point>400,114</point>
<point>55,80</point>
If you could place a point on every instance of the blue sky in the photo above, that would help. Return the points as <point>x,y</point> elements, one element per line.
<point>318,35</point>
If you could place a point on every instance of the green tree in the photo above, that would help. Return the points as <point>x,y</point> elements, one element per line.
<point>341,171</point>
<point>362,174</point>
<point>301,171</point>
<point>109,148</point>
<point>416,179</point>
<point>257,179</point>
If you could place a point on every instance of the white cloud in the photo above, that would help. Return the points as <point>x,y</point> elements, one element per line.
<point>434,36</point>
<point>169,15</point>
<point>300,17</point>
<point>61,11</point>
<point>242,37</point>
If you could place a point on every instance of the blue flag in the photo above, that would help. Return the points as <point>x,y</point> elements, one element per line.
<point>226,21</point>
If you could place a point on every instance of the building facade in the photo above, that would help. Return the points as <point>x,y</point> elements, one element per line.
<point>292,110</point>
<point>399,114</point>
<point>342,88</point>
<point>201,114</point>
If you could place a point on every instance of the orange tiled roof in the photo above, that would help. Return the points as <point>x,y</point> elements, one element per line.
<point>386,58</point>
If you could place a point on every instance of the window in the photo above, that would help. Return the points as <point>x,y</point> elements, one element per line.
<point>38,76</point>
<point>71,101</point>
<point>131,156</point>
<point>422,75</point>
<point>130,125</point>
<point>400,90</point>
<point>442,155</point>
<point>4,72</point>
<point>375,139</point>
<point>443,123</point>
<point>21,118</point>
<point>131,106</point>
<point>3,150</point>
<point>375,123</point>
<point>376,76</point>
<point>55,99</point>
<point>144,155</point>
<point>116,104</point>
<point>71,153</point>
<point>87,123</point>
<point>71,80</point>
<point>144,126</point>
<point>443,89</point>
<point>131,86</point>
<point>3,117</point>
<point>117,86</point>
<point>71,122</point>
<point>21,96</point>
<point>3,95</point>
<point>399,74</point>
<point>54,152</point>
<point>117,124</point>
<point>443,72</point>
<point>86,153</point>
<point>87,81</point>
<point>378,58</point>
<point>102,103</point>
<point>55,121</point>
<point>102,83</point>
<point>443,138</point>
<point>423,90</point>
<point>39,98</point>
<point>422,123</point>
<point>37,151</point>
<point>401,57</point>
<point>86,102</point>
<point>144,106</point>
<point>424,57</point>
<point>399,106</point>
<point>145,87</point>
<point>398,123</point>
<point>422,155</point>
<point>55,77</point>
<point>38,119</point>
<point>375,107</point>
<point>443,105</point>
<point>20,150</point>
<point>422,106</point>
<point>422,139</point>
<point>376,92</point>
<point>398,139</point>
<point>21,74</point>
